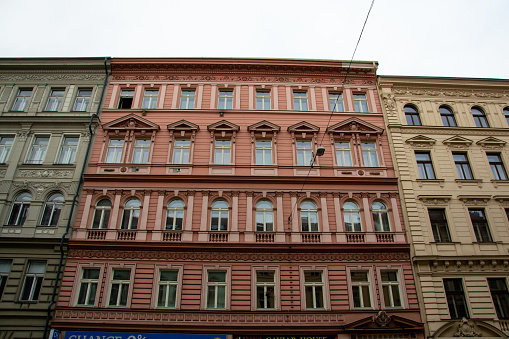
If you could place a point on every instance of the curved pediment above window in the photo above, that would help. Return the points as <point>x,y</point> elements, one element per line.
<point>354,125</point>
<point>264,126</point>
<point>183,125</point>
<point>491,143</point>
<point>130,122</point>
<point>421,141</point>
<point>458,141</point>
<point>223,126</point>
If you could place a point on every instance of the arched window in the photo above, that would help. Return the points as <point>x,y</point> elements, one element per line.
<point>309,217</point>
<point>380,217</point>
<point>264,216</point>
<point>52,210</point>
<point>175,215</point>
<point>447,116</point>
<point>219,216</point>
<point>352,217</point>
<point>412,116</point>
<point>20,209</point>
<point>102,214</point>
<point>131,215</point>
<point>480,117</point>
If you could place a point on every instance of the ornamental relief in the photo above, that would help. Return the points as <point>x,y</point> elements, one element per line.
<point>2,173</point>
<point>451,93</point>
<point>51,77</point>
<point>45,173</point>
<point>439,130</point>
<point>41,188</point>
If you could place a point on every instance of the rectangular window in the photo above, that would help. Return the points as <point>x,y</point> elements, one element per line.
<point>369,154</point>
<point>361,289</point>
<point>390,288</point>
<point>314,289</point>
<point>497,166</point>
<point>33,281</point>
<point>304,153</point>
<point>88,286</point>
<point>439,225</point>
<point>55,100</point>
<point>216,290</point>
<point>263,152</point>
<point>120,284</point>
<point>424,165</point>
<point>21,101</point>
<point>360,103</point>
<point>114,152</point>
<point>300,101</point>
<point>167,289</point>
<point>222,154</point>
<point>336,102</point>
<point>82,100</point>
<point>181,151</point>
<point>5,269</point>
<point>225,99</point>
<point>263,100</point>
<point>500,296</point>
<point>187,98</point>
<point>480,224</point>
<point>455,298</point>
<point>68,150</point>
<point>126,98</point>
<point>38,150</point>
<point>462,166</point>
<point>343,154</point>
<point>141,151</point>
<point>265,290</point>
<point>150,98</point>
<point>5,148</point>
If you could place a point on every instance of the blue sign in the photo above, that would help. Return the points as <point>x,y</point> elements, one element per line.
<point>120,335</point>
<point>54,334</point>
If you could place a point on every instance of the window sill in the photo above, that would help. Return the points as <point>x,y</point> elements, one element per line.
<point>469,180</point>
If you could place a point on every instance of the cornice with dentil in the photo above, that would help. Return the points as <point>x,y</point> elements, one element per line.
<point>439,130</point>
<point>451,93</point>
<point>51,77</point>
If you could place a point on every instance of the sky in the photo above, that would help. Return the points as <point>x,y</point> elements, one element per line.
<point>458,38</point>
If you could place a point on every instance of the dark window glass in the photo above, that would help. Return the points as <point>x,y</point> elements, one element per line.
<point>126,98</point>
<point>447,117</point>
<point>497,167</point>
<point>480,224</point>
<point>500,295</point>
<point>479,117</point>
<point>439,225</point>
<point>412,116</point>
<point>506,114</point>
<point>424,165</point>
<point>462,166</point>
<point>455,298</point>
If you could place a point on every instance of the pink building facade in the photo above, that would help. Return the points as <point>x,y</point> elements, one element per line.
<point>208,209</point>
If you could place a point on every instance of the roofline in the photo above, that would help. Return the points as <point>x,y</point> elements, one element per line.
<point>439,77</point>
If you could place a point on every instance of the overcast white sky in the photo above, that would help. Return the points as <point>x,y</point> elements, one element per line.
<point>462,38</point>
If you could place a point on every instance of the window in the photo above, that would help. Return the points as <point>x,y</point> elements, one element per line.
<point>82,100</point>
<point>314,289</point>
<point>88,286</point>
<point>361,289</point>
<point>150,98</point>
<point>102,214</point>
<point>68,150</point>
<point>263,152</point>
<point>222,155</point>
<point>264,216</point>
<point>219,216</point>
<point>352,217</point>
<point>412,116</point>
<point>263,100</point>
<point>455,298</point>
<point>439,225</point>
<point>506,114</point>
<point>360,103</point>
<point>225,100</point>
<point>390,288</point>
<point>380,217</point>
<point>175,215</point>
<point>38,150</point>
<point>141,151</point>
<point>216,290</point>
<point>54,100</point>
<point>187,97</point>
<point>5,269</point>
<point>52,210</point>
<point>369,155</point>
<point>5,148</point>
<point>265,290</point>
<point>500,295</point>
<point>167,289</point>
<point>114,152</point>
<point>20,209</point>
<point>181,151</point>
<point>462,166</point>
<point>343,154</point>
<point>304,153</point>
<point>33,281</point>
<point>336,102</point>
<point>447,117</point>
<point>131,215</point>
<point>497,166</point>
<point>309,217</point>
<point>120,284</point>
<point>480,224</point>
<point>126,98</point>
<point>424,165</point>
<point>479,117</point>
<point>21,101</point>
<point>300,101</point>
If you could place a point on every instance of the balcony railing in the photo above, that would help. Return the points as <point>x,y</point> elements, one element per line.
<point>355,237</point>
<point>264,237</point>
<point>384,237</point>
<point>310,237</point>
<point>126,235</point>
<point>218,237</point>
<point>96,234</point>
<point>172,236</point>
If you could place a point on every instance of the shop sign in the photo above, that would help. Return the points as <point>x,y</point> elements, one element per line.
<point>119,335</point>
<point>290,336</point>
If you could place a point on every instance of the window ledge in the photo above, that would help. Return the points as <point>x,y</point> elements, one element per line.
<point>469,180</point>
<point>445,242</point>
<point>431,180</point>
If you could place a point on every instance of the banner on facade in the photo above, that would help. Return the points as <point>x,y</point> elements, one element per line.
<point>119,335</point>
<point>290,336</point>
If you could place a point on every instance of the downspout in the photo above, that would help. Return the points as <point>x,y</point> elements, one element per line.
<point>74,199</point>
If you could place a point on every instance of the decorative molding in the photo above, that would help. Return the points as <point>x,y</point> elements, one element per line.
<point>491,143</point>
<point>441,130</point>
<point>502,199</point>
<point>450,93</point>
<point>466,329</point>
<point>382,319</point>
<point>421,142</point>
<point>2,173</point>
<point>45,173</point>
<point>458,142</point>
<point>51,77</point>
<point>434,200</point>
<point>474,200</point>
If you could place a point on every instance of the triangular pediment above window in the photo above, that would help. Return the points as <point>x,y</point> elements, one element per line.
<point>421,141</point>
<point>223,126</point>
<point>491,143</point>
<point>354,125</point>
<point>264,126</point>
<point>303,127</point>
<point>129,123</point>
<point>182,125</point>
<point>458,141</point>
<point>384,321</point>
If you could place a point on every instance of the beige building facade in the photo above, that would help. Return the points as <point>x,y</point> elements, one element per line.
<point>449,139</point>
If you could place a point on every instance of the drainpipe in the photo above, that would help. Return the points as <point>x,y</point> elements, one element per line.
<point>74,199</point>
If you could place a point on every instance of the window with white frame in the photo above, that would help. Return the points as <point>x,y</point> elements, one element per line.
<point>219,216</point>
<point>343,154</point>
<point>181,149</point>
<point>336,102</point>
<point>21,100</point>
<point>263,100</point>
<point>216,289</point>
<point>120,284</point>
<point>314,289</point>
<point>141,151</point>
<point>304,152</point>
<point>5,269</point>
<point>131,215</point>
<point>167,288</point>
<point>68,150</point>
<point>352,217</point>
<point>150,98</point>
<point>380,217</point>
<point>33,281</point>
<point>265,289</point>
<point>5,148</point>
<point>264,216</point>
<point>52,209</point>
<point>114,152</point>
<point>225,99</point>
<point>89,282</point>
<point>82,100</point>
<point>361,289</point>
<point>54,100</point>
<point>300,101</point>
<point>187,98</point>
<point>102,214</point>
<point>391,288</point>
<point>309,216</point>
<point>369,154</point>
<point>263,152</point>
<point>222,152</point>
<point>360,103</point>
<point>19,209</point>
<point>175,215</point>
<point>38,150</point>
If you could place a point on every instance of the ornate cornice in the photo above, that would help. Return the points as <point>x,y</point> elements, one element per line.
<point>51,77</point>
<point>448,93</point>
<point>440,130</point>
<point>434,200</point>
<point>45,173</point>
<point>474,200</point>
